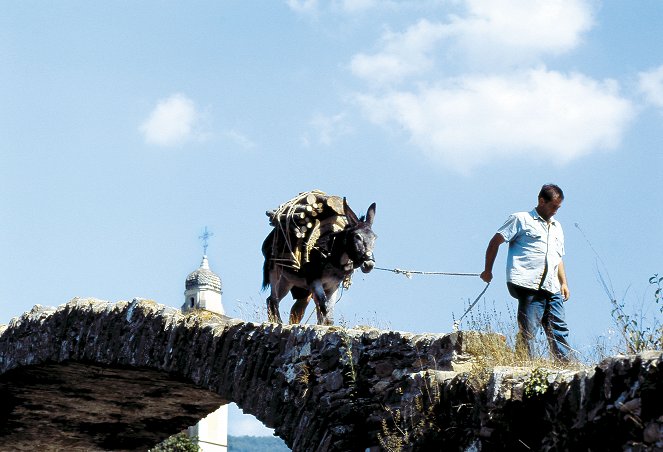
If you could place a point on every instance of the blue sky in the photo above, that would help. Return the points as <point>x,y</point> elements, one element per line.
<point>126,128</point>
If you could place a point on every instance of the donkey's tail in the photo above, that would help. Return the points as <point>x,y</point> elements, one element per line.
<point>267,252</point>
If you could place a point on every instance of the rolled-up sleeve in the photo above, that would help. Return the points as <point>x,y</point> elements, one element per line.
<point>509,230</point>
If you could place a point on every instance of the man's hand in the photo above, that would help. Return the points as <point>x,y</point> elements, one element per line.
<point>486,276</point>
<point>566,294</point>
<point>561,274</point>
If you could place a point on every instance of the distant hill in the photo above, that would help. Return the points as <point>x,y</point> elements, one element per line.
<point>256,444</point>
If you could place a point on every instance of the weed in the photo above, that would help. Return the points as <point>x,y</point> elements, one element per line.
<point>393,439</point>
<point>180,442</point>
<point>304,374</point>
<point>491,342</point>
<point>347,342</point>
<point>639,328</point>
<point>402,427</point>
<point>202,315</point>
<point>537,384</point>
<point>251,311</point>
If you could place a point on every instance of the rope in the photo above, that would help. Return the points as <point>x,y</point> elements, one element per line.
<point>456,325</point>
<point>409,273</point>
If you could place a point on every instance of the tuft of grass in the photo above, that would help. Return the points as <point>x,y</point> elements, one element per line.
<point>640,327</point>
<point>401,428</point>
<point>393,439</point>
<point>251,311</point>
<point>492,343</point>
<point>537,384</point>
<point>202,315</point>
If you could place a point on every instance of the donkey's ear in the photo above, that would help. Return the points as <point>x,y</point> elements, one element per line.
<point>370,214</point>
<point>349,214</point>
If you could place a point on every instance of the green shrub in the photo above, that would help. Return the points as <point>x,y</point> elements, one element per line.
<point>640,327</point>
<point>180,442</point>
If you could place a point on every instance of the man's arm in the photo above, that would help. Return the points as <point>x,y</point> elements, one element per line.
<point>491,254</point>
<point>561,274</point>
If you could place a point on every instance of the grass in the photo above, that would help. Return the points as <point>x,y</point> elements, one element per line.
<point>638,326</point>
<point>402,427</point>
<point>490,340</point>
<point>493,344</point>
<point>251,311</point>
<point>202,315</point>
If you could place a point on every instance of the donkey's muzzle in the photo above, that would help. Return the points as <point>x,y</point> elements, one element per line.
<point>368,264</point>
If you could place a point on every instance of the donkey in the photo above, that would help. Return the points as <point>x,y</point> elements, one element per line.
<point>329,265</point>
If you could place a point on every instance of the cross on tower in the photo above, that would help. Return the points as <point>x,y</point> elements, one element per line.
<point>205,238</point>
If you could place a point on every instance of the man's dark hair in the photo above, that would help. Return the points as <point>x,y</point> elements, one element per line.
<point>550,191</point>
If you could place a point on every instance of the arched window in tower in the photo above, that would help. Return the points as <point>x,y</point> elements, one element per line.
<point>192,301</point>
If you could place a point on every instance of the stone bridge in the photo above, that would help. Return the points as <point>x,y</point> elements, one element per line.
<point>94,375</point>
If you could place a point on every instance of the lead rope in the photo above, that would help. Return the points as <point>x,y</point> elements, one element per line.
<point>456,325</point>
<point>409,273</point>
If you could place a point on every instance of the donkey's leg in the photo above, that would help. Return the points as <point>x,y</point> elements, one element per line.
<point>298,309</point>
<point>280,288</point>
<point>332,298</point>
<point>320,299</point>
<point>273,314</point>
<point>302,297</point>
<point>324,309</point>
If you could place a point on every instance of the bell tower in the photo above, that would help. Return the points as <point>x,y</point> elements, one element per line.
<point>203,287</point>
<point>203,291</point>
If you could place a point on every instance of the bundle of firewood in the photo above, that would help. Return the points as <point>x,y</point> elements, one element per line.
<point>304,220</point>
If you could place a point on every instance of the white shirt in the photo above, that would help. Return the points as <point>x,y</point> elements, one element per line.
<point>536,248</point>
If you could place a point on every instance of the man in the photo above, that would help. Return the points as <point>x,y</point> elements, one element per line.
<point>535,271</point>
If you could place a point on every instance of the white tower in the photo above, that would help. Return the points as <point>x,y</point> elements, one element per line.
<point>203,291</point>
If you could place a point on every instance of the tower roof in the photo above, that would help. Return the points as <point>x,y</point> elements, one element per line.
<point>203,278</point>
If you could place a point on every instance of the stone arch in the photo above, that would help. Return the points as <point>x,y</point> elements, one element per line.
<point>320,388</point>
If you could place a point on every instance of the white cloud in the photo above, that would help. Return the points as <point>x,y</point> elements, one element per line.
<point>316,8</point>
<point>173,121</point>
<point>402,55</point>
<point>537,114</point>
<point>249,427</point>
<point>651,85</point>
<point>240,139</point>
<point>472,88</point>
<point>303,6</point>
<point>240,424</point>
<point>521,28</point>
<point>492,33</point>
<point>353,6</point>
<point>329,128</point>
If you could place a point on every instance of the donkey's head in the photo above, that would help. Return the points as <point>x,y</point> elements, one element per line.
<point>360,238</point>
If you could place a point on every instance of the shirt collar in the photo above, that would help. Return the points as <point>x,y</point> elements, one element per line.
<point>536,215</point>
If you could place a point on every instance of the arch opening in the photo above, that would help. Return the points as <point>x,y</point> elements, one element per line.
<point>77,405</point>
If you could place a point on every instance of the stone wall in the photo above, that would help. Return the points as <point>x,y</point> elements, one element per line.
<point>319,387</point>
<point>122,376</point>
<point>618,405</point>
